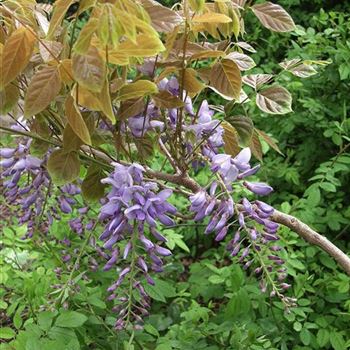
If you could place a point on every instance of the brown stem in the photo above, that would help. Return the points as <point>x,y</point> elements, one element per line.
<point>313,237</point>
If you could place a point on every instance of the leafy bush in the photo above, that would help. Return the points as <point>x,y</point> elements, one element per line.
<point>94,89</point>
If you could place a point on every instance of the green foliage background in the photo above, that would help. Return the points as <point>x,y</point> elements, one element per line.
<point>205,302</point>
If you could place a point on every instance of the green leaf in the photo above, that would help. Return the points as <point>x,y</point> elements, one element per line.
<point>45,319</point>
<point>95,300</point>
<point>160,290</point>
<point>151,330</point>
<point>337,341</point>
<point>305,336</point>
<point>328,187</point>
<point>155,293</point>
<point>322,337</point>
<point>7,333</point>
<point>297,326</point>
<point>70,319</point>
<point>63,167</point>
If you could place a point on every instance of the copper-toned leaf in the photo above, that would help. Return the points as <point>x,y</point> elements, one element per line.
<point>104,98</point>
<point>245,46</point>
<point>299,68</point>
<point>49,50</point>
<point>269,141</point>
<point>207,54</point>
<point>130,108</point>
<point>244,127</point>
<point>16,53</point>
<point>146,146</point>
<point>211,17</point>
<point>163,19</point>
<point>255,146</point>
<point>59,11</point>
<point>164,99</point>
<point>170,40</point>
<point>274,17</point>
<point>137,89</point>
<point>274,100</point>
<point>8,98</point>
<point>256,80</point>
<point>244,62</point>
<point>76,120</point>
<point>63,167</point>
<point>71,142</point>
<point>42,90</point>
<point>190,82</point>
<point>225,79</point>
<point>89,70</point>
<point>86,98</point>
<point>82,44</point>
<point>196,5</point>
<point>92,189</point>
<point>231,139</point>
<point>145,46</point>
<point>66,71</point>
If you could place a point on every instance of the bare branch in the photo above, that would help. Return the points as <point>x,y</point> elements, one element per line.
<point>313,237</point>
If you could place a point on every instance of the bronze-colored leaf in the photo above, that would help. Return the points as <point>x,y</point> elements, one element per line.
<point>273,17</point>
<point>244,127</point>
<point>89,70</point>
<point>211,17</point>
<point>8,98</point>
<point>170,40</point>
<point>231,139</point>
<point>145,46</point>
<point>16,54</point>
<point>190,82</point>
<point>137,89</point>
<point>244,62</point>
<point>164,99</point>
<point>274,100</point>
<point>299,68</point>
<point>257,80</point>
<point>66,71</point>
<point>245,46</point>
<point>104,98</point>
<point>63,167</point>
<point>59,11</point>
<point>146,146</point>
<point>163,19</point>
<point>71,142</point>
<point>255,146</point>
<point>225,79</point>
<point>76,120</point>
<point>207,54</point>
<point>92,188</point>
<point>82,44</point>
<point>49,50</point>
<point>42,90</point>
<point>269,141</point>
<point>130,108</point>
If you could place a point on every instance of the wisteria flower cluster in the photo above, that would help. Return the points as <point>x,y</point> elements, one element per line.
<point>131,215</point>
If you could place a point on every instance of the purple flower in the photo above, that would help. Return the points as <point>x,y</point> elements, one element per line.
<point>259,188</point>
